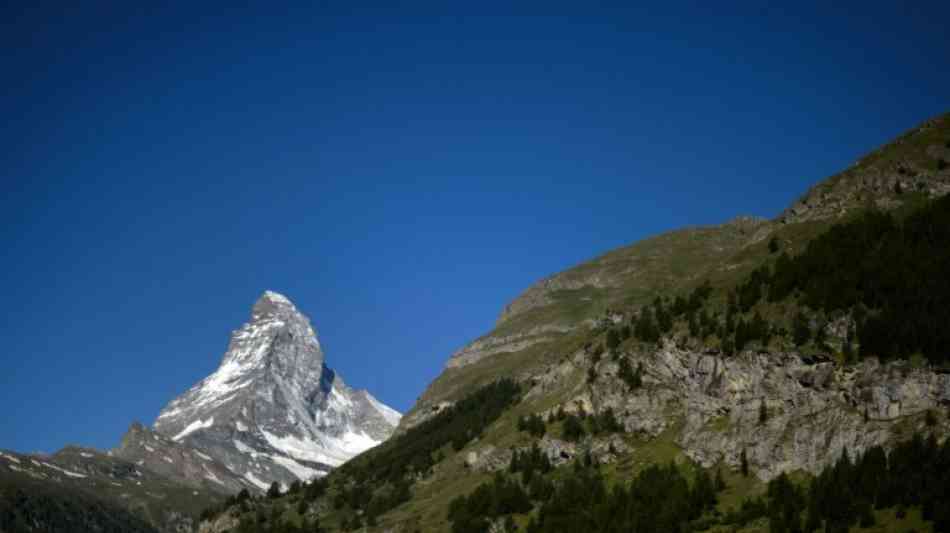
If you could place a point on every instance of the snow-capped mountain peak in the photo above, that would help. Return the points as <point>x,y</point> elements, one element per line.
<point>273,411</point>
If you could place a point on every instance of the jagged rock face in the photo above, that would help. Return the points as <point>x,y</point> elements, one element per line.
<point>155,452</point>
<point>273,411</point>
<point>814,407</point>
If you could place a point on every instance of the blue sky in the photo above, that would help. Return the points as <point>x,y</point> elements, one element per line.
<point>400,174</point>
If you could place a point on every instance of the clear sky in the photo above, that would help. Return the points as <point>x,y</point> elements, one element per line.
<point>400,174</point>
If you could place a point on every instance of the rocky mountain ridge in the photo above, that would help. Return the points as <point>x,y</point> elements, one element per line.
<point>83,489</point>
<point>273,410</point>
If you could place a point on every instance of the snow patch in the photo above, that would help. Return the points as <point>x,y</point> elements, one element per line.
<point>260,484</point>
<point>63,470</point>
<point>194,426</point>
<point>10,458</point>
<point>334,451</point>
<point>277,297</point>
<point>240,426</point>
<point>300,448</point>
<point>209,475</point>
<point>149,448</point>
<point>203,456</point>
<point>86,455</point>
<point>355,443</point>
<point>337,398</point>
<point>299,470</point>
<point>244,448</point>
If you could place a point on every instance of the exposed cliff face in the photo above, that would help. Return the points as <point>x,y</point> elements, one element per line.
<point>814,407</point>
<point>273,411</point>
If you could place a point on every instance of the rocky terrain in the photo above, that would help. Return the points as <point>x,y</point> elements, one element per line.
<point>712,406</point>
<point>157,453</point>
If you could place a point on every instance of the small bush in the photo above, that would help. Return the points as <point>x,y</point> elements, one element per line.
<point>930,418</point>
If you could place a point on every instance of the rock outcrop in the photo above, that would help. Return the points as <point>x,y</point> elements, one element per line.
<point>813,407</point>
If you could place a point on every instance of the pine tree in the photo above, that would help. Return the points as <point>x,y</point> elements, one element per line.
<point>744,461</point>
<point>613,340</point>
<point>801,330</point>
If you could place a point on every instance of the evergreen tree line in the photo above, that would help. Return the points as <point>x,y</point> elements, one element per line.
<point>380,479</point>
<point>529,462</point>
<point>415,450</point>
<point>577,425</point>
<point>660,498</point>
<point>891,273</point>
<point>844,495</point>
<point>273,521</point>
<point>533,424</point>
<point>500,496</point>
<point>916,473</point>
<point>27,507</point>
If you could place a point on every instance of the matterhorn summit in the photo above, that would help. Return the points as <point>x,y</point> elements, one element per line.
<point>273,410</point>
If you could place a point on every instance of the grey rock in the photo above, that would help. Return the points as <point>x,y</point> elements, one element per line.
<point>156,452</point>
<point>815,407</point>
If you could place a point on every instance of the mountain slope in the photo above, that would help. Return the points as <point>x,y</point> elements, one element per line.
<point>273,410</point>
<point>81,489</point>
<point>611,371</point>
<point>899,175</point>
